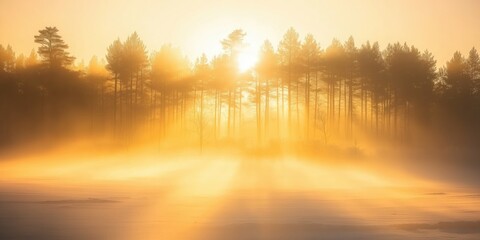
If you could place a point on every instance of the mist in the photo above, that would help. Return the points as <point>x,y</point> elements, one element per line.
<point>297,141</point>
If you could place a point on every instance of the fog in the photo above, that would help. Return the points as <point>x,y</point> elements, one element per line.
<point>298,141</point>
<point>82,192</point>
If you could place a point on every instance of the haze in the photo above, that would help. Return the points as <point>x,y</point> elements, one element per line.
<point>196,26</point>
<point>354,120</point>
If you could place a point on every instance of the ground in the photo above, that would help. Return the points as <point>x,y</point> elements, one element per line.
<point>145,195</point>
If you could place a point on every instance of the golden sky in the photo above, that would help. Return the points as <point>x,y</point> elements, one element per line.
<point>89,26</point>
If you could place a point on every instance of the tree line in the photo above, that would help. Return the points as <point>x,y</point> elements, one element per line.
<point>298,92</point>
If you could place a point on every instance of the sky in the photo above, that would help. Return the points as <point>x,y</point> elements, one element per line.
<point>197,26</point>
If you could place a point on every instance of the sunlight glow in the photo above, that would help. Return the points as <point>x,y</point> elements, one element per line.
<point>247,60</point>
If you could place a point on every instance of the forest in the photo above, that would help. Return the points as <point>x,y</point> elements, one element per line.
<point>297,93</point>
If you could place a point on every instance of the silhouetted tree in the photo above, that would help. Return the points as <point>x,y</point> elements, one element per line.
<point>52,48</point>
<point>114,65</point>
<point>232,45</point>
<point>168,75</point>
<point>202,73</point>
<point>97,76</point>
<point>473,69</point>
<point>32,59</point>
<point>350,82</point>
<point>366,88</point>
<point>267,73</point>
<point>289,53</point>
<point>310,54</point>
<point>335,61</point>
<point>20,62</point>
<point>458,87</point>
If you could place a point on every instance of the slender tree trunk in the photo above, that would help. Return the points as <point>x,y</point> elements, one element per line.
<point>362,117</point>
<point>376,114</point>
<point>332,103</point>
<point>315,107</point>
<point>267,109</point>
<point>395,114</point>
<point>121,110</point>
<point>240,114</point>
<point>220,114</point>
<point>258,110</point>
<point>229,103</point>
<point>215,120</point>
<point>234,112</point>
<point>328,109</point>
<point>130,107</point>
<point>350,107</point>
<point>372,102</point>
<point>115,106</point>
<point>345,116</point>
<point>297,107</point>
<point>289,103</point>
<point>339,103</point>
<point>406,121</point>
<point>102,109</point>
<point>154,111</point>
<point>307,105</point>
<point>195,103</point>
<point>278,108</point>
<point>283,106</point>
<point>201,117</point>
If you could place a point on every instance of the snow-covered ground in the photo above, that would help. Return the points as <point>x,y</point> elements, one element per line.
<point>182,196</point>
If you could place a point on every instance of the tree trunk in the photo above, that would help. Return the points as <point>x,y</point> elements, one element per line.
<point>307,105</point>
<point>267,108</point>
<point>258,110</point>
<point>315,106</point>
<point>278,108</point>
<point>201,118</point>
<point>115,106</point>
<point>229,103</point>
<point>215,115</point>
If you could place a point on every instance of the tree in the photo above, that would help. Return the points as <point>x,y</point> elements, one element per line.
<point>457,78</point>
<point>2,58</point>
<point>335,63</point>
<point>114,65</point>
<point>310,54</point>
<point>97,76</point>
<point>267,72</point>
<point>52,48</point>
<point>351,80</point>
<point>32,59</point>
<point>232,45</point>
<point>168,75</point>
<point>411,76</point>
<point>371,66</point>
<point>202,75</point>
<point>426,76</point>
<point>458,96</point>
<point>20,62</point>
<point>135,61</point>
<point>473,69</point>
<point>289,52</point>
<point>7,59</point>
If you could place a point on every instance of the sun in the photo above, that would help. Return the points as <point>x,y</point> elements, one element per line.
<point>246,60</point>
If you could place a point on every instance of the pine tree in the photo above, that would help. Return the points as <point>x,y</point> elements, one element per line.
<point>52,48</point>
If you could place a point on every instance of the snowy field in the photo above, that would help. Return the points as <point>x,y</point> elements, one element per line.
<point>145,196</point>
